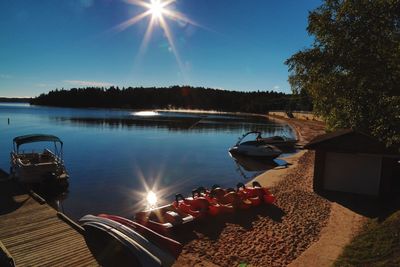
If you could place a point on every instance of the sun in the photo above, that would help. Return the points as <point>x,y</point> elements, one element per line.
<point>156,8</point>
<point>158,11</point>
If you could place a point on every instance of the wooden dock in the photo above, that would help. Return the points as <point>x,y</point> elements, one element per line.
<point>35,235</point>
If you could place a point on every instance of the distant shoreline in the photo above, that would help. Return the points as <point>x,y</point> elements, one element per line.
<point>15,99</point>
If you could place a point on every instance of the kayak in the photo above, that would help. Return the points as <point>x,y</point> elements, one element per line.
<point>125,251</point>
<point>197,207</point>
<point>162,219</point>
<point>257,191</point>
<point>173,246</point>
<point>165,258</point>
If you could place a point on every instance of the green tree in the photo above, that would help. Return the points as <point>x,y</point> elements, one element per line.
<point>352,70</point>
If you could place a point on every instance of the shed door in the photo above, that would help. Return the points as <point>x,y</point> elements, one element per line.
<point>352,173</point>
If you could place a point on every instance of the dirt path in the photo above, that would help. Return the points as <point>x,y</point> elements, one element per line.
<point>342,226</point>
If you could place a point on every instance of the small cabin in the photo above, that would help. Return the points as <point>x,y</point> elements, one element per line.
<point>354,162</point>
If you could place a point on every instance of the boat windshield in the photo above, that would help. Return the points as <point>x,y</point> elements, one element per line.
<point>257,133</point>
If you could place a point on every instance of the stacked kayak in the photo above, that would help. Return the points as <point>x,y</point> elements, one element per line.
<point>172,246</point>
<point>139,245</point>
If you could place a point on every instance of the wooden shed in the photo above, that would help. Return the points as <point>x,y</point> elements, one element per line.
<point>354,162</point>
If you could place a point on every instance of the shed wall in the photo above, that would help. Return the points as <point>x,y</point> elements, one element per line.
<point>353,173</point>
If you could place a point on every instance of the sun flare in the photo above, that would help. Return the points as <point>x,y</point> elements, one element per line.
<point>156,8</point>
<point>151,198</point>
<point>158,11</point>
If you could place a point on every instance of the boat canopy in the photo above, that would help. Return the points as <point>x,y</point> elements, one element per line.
<point>31,138</point>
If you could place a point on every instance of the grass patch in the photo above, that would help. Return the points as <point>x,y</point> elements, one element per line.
<point>378,244</point>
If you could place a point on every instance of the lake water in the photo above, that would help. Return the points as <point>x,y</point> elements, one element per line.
<point>115,156</point>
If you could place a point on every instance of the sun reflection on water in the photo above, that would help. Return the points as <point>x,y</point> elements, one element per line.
<point>151,199</point>
<point>146,113</point>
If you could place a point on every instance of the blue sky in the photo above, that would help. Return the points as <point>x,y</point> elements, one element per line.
<point>239,45</point>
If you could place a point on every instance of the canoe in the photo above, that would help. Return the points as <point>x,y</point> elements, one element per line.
<point>115,248</point>
<point>165,258</point>
<point>173,246</point>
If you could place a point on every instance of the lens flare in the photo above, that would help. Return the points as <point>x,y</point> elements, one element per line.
<point>159,11</point>
<point>151,198</point>
<point>156,8</point>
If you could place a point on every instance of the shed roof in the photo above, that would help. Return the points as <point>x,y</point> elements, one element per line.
<point>348,140</point>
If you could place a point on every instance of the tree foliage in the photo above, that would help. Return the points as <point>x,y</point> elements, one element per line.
<point>352,70</point>
<point>172,97</point>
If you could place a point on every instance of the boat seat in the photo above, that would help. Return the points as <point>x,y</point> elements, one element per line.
<point>45,157</point>
<point>35,158</point>
<point>172,217</point>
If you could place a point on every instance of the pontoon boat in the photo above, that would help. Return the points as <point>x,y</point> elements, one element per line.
<point>37,167</point>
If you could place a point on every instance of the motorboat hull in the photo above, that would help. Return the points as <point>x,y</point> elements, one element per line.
<point>261,152</point>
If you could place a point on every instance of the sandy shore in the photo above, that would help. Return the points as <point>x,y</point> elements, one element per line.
<point>270,235</point>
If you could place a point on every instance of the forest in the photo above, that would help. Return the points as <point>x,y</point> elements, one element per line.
<point>14,100</point>
<point>174,97</point>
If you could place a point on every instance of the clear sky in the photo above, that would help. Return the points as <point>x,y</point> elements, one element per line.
<point>237,45</point>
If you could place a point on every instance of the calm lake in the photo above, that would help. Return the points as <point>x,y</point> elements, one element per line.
<point>115,156</point>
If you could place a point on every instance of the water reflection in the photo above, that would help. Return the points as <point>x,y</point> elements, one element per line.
<point>199,124</point>
<point>254,164</point>
<point>249,168</point>
<point>146,113</point>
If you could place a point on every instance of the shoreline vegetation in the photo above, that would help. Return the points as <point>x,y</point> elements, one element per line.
<point>15,99</point>
<point>174,97</point>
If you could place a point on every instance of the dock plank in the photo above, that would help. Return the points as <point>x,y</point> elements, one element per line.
<point>34,234</point>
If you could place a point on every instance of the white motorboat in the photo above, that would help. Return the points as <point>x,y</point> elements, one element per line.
<point>277,140</point>
<point>255,148</point>
<point>38,167</point>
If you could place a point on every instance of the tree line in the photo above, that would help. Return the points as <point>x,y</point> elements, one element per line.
<point>14,100</point>
<point>352,70</point>
<point>175,97</point>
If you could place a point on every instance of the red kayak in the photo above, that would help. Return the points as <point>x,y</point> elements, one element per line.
<point>257,191</point>
<point>163,219</point>
<point>229,198</point>
<point>172,246</point>
<point>197,207</point>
